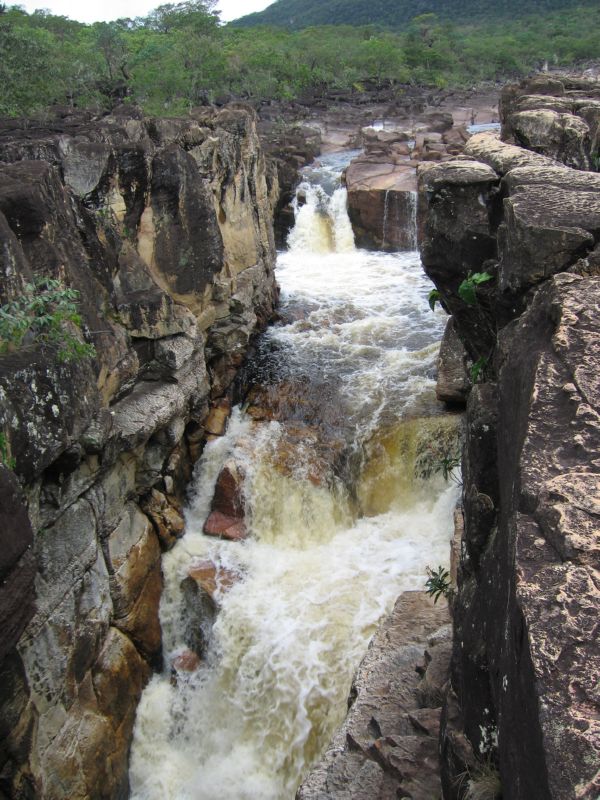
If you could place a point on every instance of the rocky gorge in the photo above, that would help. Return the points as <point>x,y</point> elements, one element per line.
<point>522,210</point>
<point>165,228</point>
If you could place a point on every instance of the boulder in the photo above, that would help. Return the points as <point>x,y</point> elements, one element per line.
<point>228,497</point>
<point>563,137</point>
<point>231,528</point>
<point>557,117</point>
<point>187,661</point>
<point>438,121</point>
<point>212,578</point>
<point>216,422</point>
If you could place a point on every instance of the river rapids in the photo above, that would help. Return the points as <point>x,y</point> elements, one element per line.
<point>341,520</point>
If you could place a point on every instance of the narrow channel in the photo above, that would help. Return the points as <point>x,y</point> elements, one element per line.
<point>337,443</point>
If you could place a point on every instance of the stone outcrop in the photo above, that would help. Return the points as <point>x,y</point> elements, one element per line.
<point>164,227</point>
<point>388,744</point>
<point>557,117</point>
<point>524,695</point>
<point>382,181</point>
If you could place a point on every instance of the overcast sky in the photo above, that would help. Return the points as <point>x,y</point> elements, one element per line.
<point>95,10</point>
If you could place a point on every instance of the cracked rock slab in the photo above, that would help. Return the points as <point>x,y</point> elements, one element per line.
<point>388,745</point>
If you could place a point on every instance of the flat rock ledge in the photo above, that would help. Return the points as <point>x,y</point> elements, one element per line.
<point>388,745</point>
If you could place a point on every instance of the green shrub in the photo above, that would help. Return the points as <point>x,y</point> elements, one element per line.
<point>478,369</point>
<point>45,314</point>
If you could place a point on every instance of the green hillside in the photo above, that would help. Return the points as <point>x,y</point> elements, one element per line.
<point>299,14</point>
<point>179,57</point>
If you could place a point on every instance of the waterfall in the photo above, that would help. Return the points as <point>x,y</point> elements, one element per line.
<point>412,199</point>
<point>399,228</point>
<point>321,224</point>
<point>385,218</point>
<point>340,523</point>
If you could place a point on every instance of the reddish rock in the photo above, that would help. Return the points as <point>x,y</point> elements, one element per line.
<point>187,661</point>
<point>228,498</point>
<point>229,528</point>
<point>212,577</point>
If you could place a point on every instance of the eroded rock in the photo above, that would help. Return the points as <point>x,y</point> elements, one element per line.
<point>525,643</point>
<point>164,228</point>
<point>387,747</point>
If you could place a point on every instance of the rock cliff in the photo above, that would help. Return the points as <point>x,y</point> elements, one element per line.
<point>524,696</point>
<point>164,228</point>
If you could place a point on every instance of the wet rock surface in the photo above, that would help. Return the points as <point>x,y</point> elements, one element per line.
<point>388,745</point>
<point>164,227</point>
<point>525,616</point>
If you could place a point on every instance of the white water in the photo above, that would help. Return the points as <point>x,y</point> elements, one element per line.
<point>318,572</point>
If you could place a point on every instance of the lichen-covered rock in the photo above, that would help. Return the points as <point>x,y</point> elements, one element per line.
<point>164,227</point>
<point>525,614</point>
<point>556,117</point>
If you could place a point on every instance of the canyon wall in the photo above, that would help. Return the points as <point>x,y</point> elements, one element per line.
<point>524,696</point>
<point>164,228</point>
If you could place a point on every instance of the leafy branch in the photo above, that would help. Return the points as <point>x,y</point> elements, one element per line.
<point>438,584</point>
<point>434,297</point>
<point>47,314</point>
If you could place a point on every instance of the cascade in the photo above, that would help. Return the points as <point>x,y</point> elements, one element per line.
<point>385,218</point>
<point>412,198</point>
<point>340,522</point>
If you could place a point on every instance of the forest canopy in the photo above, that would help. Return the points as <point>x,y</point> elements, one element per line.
<point>180,56</point>
<point>299,14</point>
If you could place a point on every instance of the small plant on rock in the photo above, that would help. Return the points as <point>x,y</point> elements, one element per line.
<point>482,783</point>
<point>5,458</point>
<point>478,369</point>
<point>45,314</point>
<point>434,297</point>
<point>438,584</point>
<point>467,290</point>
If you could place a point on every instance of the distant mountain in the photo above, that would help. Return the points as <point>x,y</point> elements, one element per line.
<point>298,14</point>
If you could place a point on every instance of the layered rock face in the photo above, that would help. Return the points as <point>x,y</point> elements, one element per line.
<point>164,227</point>
<point>557,117</point>
<point>526,656</point>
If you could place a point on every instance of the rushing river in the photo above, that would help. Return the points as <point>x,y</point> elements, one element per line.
<point>340,523</point>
